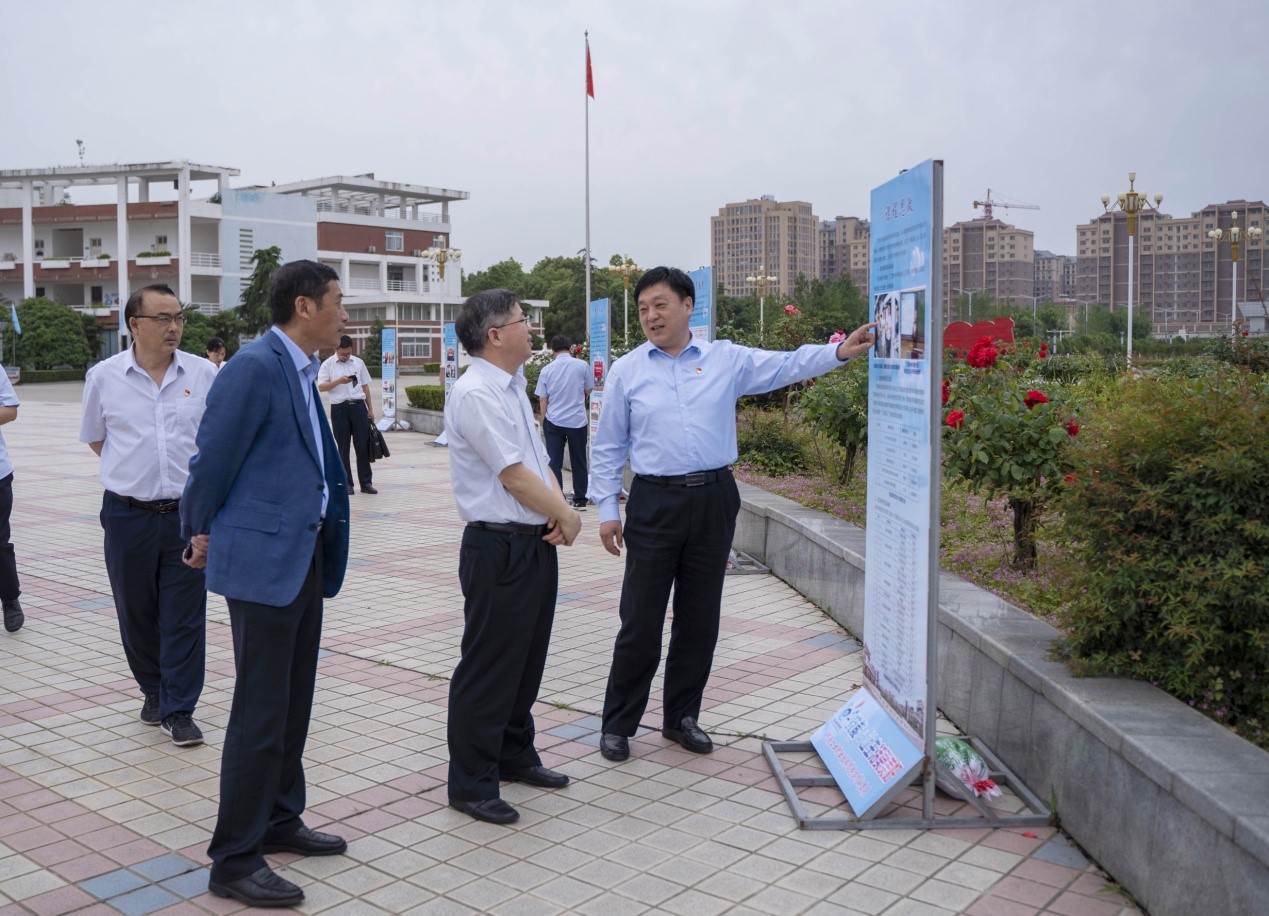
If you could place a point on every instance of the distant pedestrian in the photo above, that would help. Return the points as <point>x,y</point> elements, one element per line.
<point>10,589</point>
<point>562,388</point>
<point>216,352</point>
<point>142,408</point>
<point>347,380</point>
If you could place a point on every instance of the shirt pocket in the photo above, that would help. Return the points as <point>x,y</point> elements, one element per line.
<point>189,413</point>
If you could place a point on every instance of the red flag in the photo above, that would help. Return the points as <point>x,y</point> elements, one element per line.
<point>590,76</point>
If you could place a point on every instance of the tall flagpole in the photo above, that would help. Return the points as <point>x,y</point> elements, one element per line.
<point>589,92</point>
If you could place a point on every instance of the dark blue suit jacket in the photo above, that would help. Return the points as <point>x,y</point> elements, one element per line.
<point>256,485</point>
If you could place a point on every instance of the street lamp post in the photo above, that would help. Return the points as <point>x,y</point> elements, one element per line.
<point>970,294</point>
<point>761,279</point>
<point>1035,330</point>
<point>1234,236</point>
<point>626,268</point>
<point>1131,202</point>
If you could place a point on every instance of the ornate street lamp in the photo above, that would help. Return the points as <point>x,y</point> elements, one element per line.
<point>627,268</point>
<point>1131,202</point>
<point>1234,236</point>
<point>762,278</point>
<point>442,256</point>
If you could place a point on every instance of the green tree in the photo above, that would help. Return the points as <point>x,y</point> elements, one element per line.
<point>830,305</point>
<point>92,336</point>
<point>372,352</point>
<point>52,335</point>
<point>508,274</point>
<point>198,330</point>
<point>253,313</point>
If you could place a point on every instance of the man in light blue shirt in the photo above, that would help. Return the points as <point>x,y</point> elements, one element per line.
<point>670,407</point>
<point>561,390</point>
<point>10,588</point>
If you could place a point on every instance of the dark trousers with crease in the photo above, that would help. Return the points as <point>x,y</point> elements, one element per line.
<point>10,589</point>
<point>555,437</point>
<point>261,769</point>
<point>350,422</point>
<point>509,582</point>
<point>161,603</point>
<point>675,536</point>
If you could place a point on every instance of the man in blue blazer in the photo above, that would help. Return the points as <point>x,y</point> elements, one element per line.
<point>265,510</point>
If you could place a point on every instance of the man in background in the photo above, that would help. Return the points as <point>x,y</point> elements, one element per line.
<point>347,380</point>
<point>10,588</point>
<point>562,388</point>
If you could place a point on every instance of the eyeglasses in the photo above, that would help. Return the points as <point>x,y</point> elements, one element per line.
<point>522,320</point>
<point>164,320</point>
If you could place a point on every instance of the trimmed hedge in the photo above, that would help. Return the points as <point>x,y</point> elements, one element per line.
<point>426,397</point>
<point>431,368</point>
<point>32,376</point>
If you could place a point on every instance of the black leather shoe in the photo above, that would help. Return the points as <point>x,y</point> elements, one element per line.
<point>306,842</point>
<point>538,776</point>
<point>690,736</point>
<point>262,888</point>
<point>369,489</point>
<point>614,747</point>
<point>13,616</point>
<point>491,810</point>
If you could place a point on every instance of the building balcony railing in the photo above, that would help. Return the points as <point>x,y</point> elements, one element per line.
<point>207,308</point>
<point>204,259</point>
<point>343,206</point>
<point>393,286</point>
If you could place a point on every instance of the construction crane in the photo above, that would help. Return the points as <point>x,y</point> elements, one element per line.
<point>987,203</point>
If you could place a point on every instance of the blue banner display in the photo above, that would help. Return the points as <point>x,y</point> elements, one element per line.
<point>388,375</point>
<point>900,485</point>
<point>599,318</point>
<point>702,320</point>
<point>449,364</point>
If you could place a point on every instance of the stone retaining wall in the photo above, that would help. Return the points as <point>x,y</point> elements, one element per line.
<point>1174,806</point>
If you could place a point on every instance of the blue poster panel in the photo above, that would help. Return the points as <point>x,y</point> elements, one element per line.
<point>702,320</point>
<point>901,488</point>
<point>449,362</point>
<point>599,316</point>
<point>388,374</point>
<point>867,753</point>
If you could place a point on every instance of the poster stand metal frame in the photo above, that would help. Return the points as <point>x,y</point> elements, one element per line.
<point>1038,815</point>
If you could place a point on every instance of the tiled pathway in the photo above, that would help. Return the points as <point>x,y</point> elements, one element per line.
<point>100,814</point>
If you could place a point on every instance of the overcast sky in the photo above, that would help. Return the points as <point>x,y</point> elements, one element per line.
<point>697,104</point>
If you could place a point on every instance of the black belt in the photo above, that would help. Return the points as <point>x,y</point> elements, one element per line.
<point>161,506</point>
<point>510,528</point>
<point>698,479</point>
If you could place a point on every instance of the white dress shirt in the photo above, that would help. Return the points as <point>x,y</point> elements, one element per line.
<point>146,430</point>
<point>334,368</point>
<point>490,427</point>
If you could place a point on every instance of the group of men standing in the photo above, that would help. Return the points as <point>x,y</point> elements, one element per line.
<point>228,478</point>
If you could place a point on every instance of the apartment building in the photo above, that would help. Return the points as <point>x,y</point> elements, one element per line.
<point>182,223</point>
<point>988,257</point>
<point>1054,276</point>
<point>764,237</point>
<point>1183,278</point>
<point>844,249</point>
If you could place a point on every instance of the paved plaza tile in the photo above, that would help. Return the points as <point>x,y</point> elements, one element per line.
<point>101,814</point>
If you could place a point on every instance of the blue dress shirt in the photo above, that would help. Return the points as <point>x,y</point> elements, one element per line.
<point>675,415</point>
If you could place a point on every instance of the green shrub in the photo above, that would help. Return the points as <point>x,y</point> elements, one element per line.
<point>426,397</point>
<point>767,441</point>
<point>1241,349</point>
<point>34,376</point>
<point>836,405</point>
<point>161,253</point>
<point>431,368</point>
<point>1167,517</point>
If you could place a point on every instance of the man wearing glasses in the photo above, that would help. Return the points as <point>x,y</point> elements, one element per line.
<point>516,516</point>
<point>142,408</point>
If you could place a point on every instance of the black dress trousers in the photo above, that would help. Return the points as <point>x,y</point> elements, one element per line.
<point>351,421</point>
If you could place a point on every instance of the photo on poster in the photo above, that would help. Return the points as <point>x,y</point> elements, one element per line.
<point>886,335</point>
<point>912,324</point>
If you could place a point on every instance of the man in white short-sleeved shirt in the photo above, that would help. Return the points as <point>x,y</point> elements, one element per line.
<point>142,408</point>
<point>10,587</point>
<point>347,380</point>
<point>516,515</point>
